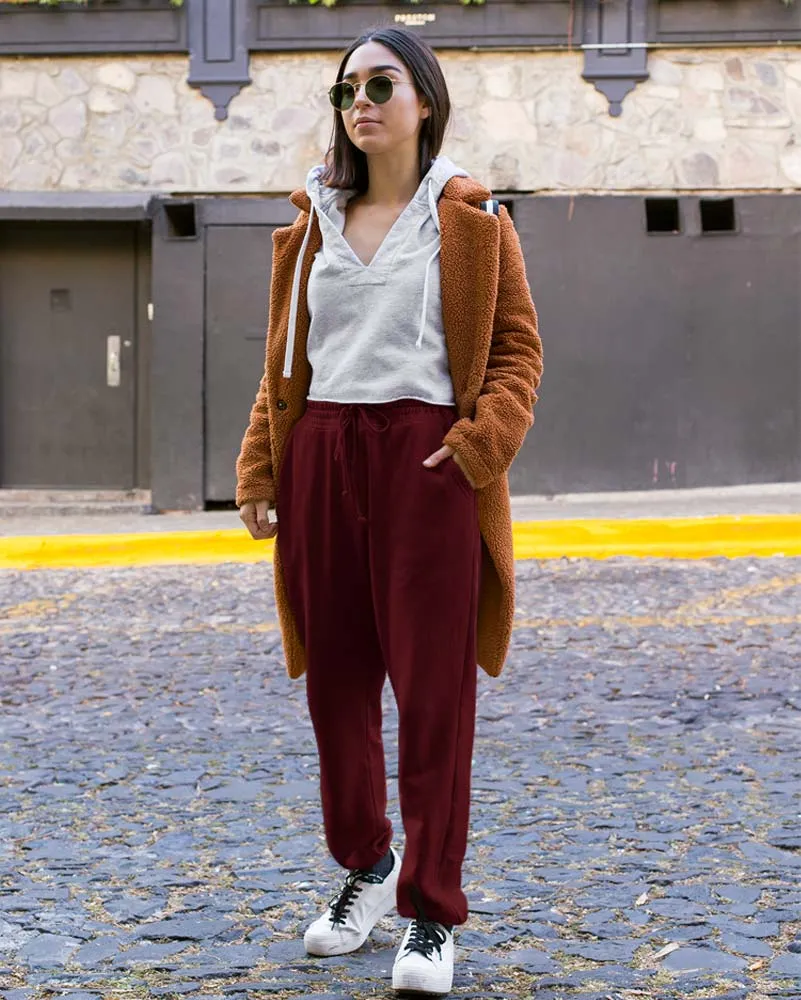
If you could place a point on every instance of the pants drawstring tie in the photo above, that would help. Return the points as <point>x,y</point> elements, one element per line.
<point>348,417</point>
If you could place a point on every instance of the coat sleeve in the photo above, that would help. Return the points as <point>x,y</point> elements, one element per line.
<point>488,441</point>
<point>254,465</point>
<point>255,478</point>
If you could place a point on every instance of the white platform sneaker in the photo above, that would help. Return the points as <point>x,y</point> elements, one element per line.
<point>354,911</point>
<point>424,963</point>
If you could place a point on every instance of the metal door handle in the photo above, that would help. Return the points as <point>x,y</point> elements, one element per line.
<point>113,361</point>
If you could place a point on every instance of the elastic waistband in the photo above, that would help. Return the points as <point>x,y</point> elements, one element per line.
<point>397,407</point>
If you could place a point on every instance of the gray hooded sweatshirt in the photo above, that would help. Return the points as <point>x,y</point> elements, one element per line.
<point>376,331</point>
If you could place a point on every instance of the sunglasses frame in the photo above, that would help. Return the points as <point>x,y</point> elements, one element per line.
<point>347,83</point>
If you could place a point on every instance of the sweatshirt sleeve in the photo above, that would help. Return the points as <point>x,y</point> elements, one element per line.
<point>489,441</point>
<point>254,465</point>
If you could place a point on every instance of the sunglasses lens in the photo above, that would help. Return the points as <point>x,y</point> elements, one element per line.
<point>379,89</point>
<point>341,96</point>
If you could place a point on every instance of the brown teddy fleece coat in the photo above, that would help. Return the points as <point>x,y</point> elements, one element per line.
<point>495,358</point>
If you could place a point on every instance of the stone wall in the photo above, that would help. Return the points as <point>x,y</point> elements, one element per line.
<point>706,119</point>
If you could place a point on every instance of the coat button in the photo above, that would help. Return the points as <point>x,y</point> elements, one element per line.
<point>281,404</point>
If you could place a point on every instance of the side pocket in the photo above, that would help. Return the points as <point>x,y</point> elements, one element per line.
<point>457,474</point>
<point>451,416</point>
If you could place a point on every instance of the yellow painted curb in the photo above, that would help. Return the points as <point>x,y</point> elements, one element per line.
<point>672,537</point>
<point>665,538</point>
<point>149,548</point>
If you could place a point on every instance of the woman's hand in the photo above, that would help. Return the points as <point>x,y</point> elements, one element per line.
<point>254,515</point>
<point>447,452</point>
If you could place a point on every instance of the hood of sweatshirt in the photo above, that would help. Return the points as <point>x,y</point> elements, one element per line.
<point>330,203</point>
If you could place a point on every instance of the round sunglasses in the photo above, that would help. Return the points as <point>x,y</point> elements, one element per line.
<point>378,90</point>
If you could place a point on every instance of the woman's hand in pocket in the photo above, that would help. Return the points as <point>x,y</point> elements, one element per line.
<point>254,514</point>
<point>444,453</point>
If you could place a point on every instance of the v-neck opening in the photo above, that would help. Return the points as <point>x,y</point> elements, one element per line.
<point>412,201</point>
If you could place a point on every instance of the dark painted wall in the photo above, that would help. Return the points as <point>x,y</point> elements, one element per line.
<point>671,358</point>
<point>176,375</point>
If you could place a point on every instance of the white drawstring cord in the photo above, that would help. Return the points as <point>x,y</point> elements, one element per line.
<point>432,204</point>
<point>419,341</point>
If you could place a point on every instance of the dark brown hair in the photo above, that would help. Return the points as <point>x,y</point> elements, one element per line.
<point>346,164</point>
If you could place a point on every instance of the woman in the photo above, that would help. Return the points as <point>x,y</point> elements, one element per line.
<point>401,370</point>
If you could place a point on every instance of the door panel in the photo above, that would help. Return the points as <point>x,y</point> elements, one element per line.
<point>238,269</point>
<point>64,290</point>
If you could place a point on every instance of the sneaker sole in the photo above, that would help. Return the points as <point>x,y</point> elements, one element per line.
<point>420,984</point>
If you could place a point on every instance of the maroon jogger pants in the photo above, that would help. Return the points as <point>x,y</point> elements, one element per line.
<point>381,559</point>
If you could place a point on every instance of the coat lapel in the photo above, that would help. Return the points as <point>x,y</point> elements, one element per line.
<point>469,285</point>
<point>468,279</point>
<point>287,242</point>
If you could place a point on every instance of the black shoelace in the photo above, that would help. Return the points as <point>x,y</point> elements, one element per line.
<point>425,936</point>
<point>345,898</point>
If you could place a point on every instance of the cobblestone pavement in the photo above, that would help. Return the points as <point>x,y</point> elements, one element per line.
<point>635,828</point>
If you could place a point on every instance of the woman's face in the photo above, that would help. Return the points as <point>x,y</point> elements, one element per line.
<point>397,120</point>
